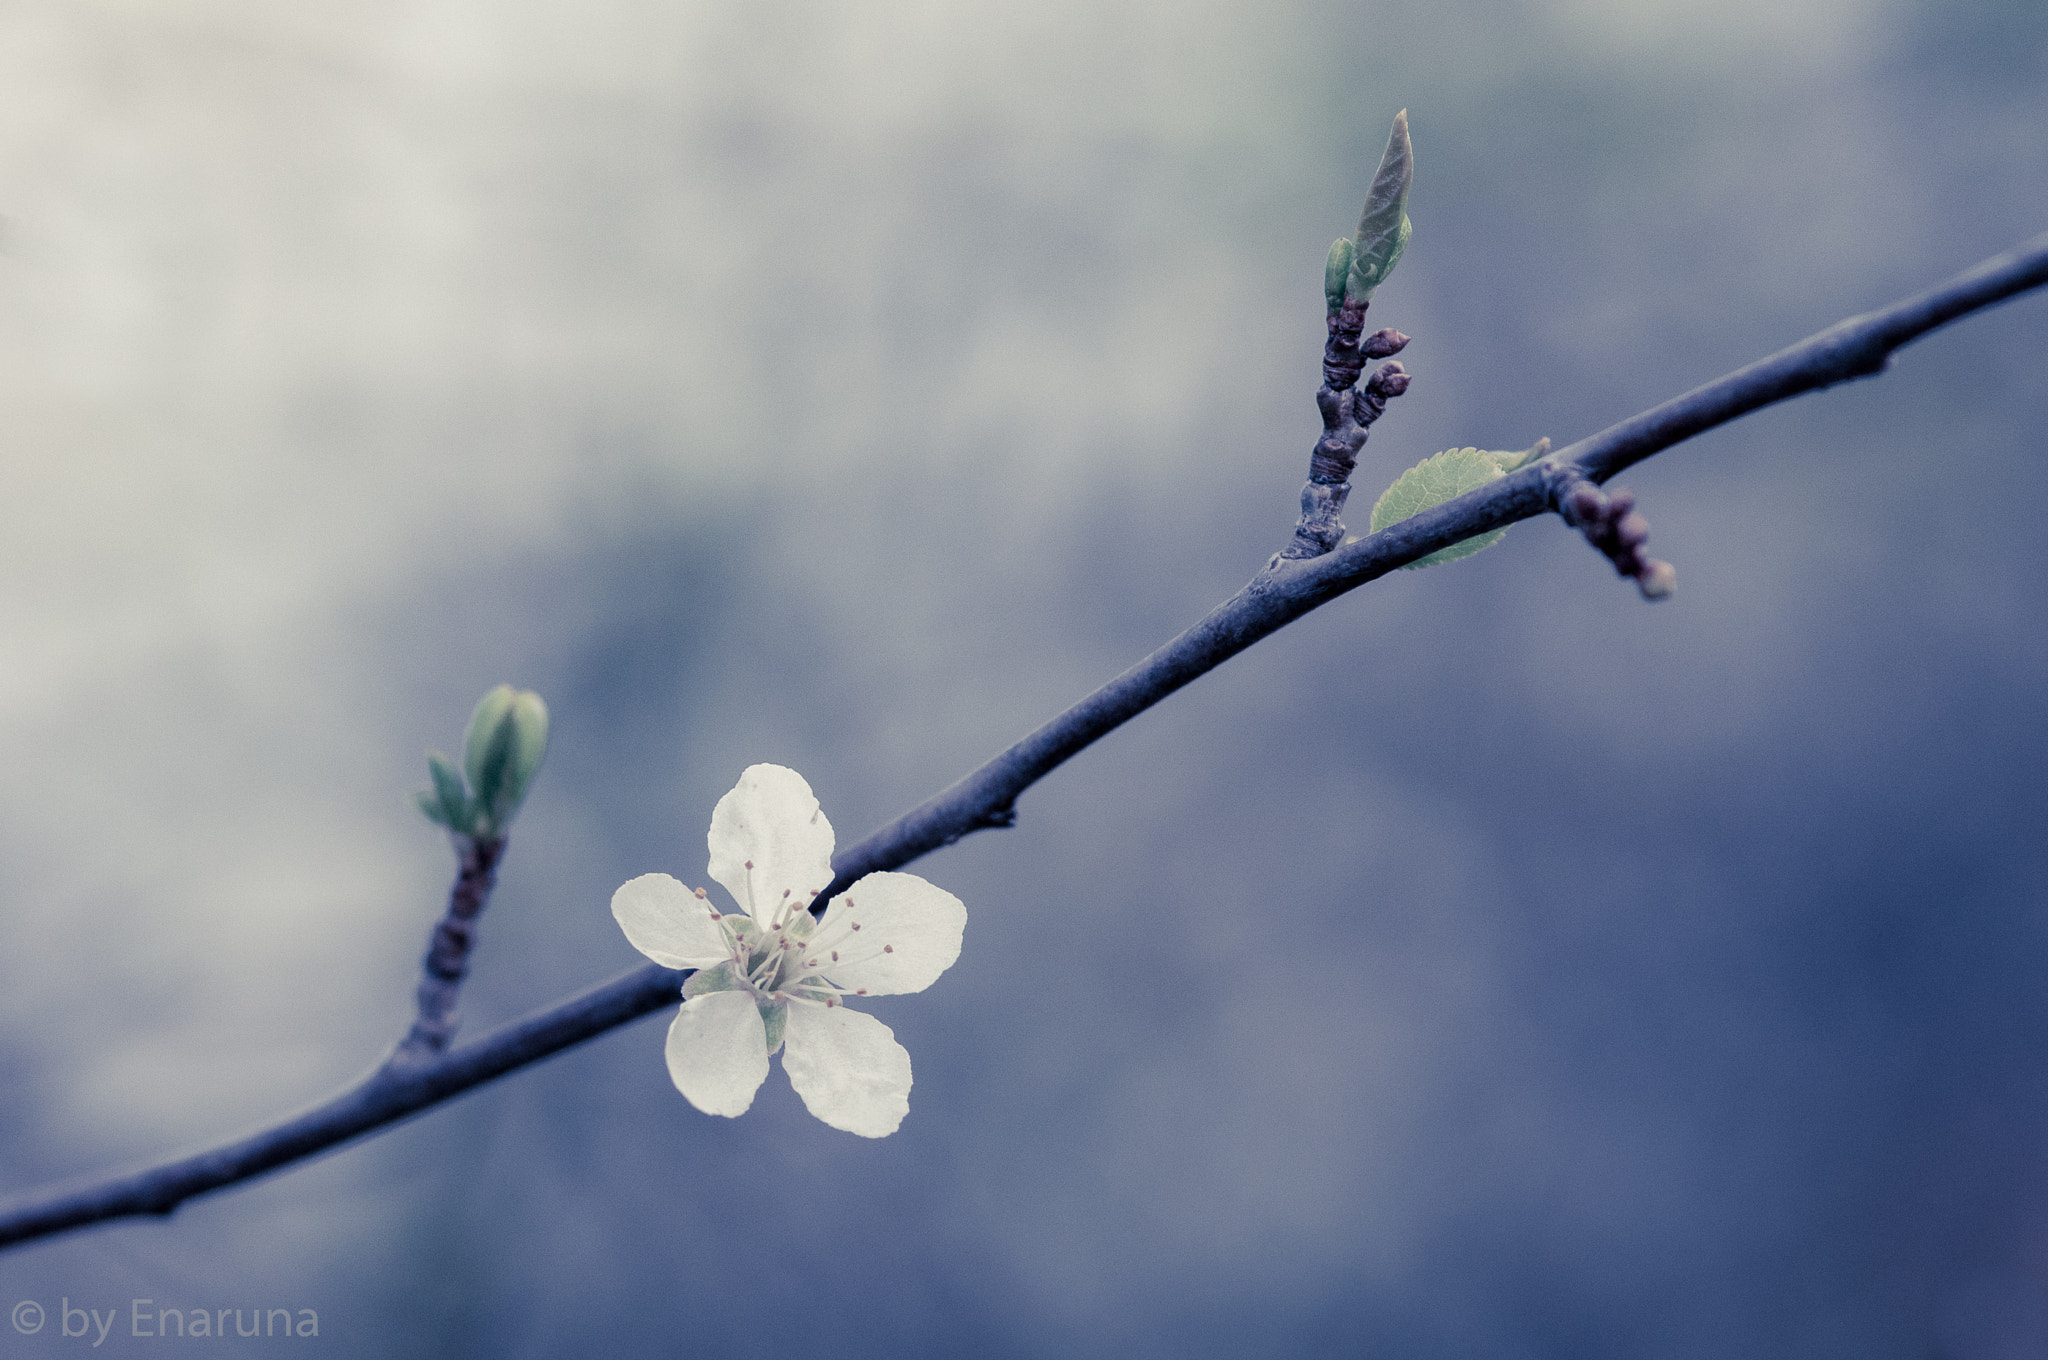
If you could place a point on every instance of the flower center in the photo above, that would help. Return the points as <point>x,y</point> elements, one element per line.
<point>772,960</point>
<point>785,956</point>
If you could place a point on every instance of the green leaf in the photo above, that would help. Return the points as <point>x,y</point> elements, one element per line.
<point>478,756</point>
<point>1335,271</point>
<point>448,790</point>
<point>1383,228</point>
<point>529,741</point>
<point>430,807</point>
<point>1371,264</point>
<point>1431,482</point>
<point>1510,461</point>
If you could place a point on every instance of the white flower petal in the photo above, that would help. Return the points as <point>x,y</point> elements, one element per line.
<point>909,934</point>
<point>718,1052</point>
<point>668,923</point>
<point>848,1068</point>
<point>771,820</point>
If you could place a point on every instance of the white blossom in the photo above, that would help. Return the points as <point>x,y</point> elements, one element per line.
<point>771,976</point>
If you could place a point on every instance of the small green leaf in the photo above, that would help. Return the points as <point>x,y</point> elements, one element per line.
<point>529,741</point>
<point>1383,228</point>
<point>1335,271</point>
<point>448,789</point>
<point>430,807</point>
<point>478,758</point>
<point>1510,461</point>
<point>1431,482</point>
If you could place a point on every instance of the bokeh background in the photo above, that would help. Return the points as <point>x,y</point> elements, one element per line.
<point>1489,965</point>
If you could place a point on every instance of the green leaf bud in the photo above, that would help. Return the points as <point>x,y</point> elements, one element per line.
<point>430,807</point>
<point>502,752</point>
<point>529,737</point>
<point>1336,271</point>
<point>456,813</point>
<point>484,725</point>
<point>1383,228</point>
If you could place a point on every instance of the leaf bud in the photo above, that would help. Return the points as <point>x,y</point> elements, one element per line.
<point>1383,228</point>
<point>502,752</point>
<point>449,793</point>
<point>1335,271</point>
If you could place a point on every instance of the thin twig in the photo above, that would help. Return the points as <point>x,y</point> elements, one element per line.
<point>1348,413</point>
<point>447,958</point>
<point>1858,347</point>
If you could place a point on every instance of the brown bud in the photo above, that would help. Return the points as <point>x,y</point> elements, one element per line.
<point>1383,344</point>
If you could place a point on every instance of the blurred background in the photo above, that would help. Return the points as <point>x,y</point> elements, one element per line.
<point>1489,965</point>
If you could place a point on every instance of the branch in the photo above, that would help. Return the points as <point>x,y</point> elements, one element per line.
<point>447,959</point>
<point>387,1096</point>
<point>1348,414</point>
<point>1283,592</point>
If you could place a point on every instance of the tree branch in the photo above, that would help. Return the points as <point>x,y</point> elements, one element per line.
<point>387,1096</point>
<point>1348,414</point>
<point>1283,592</point>
<point>447,958</point>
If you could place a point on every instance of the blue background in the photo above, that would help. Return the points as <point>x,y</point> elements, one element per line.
<point>1489,964</point>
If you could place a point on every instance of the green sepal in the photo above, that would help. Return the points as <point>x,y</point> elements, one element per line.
<point>1335,271</point>
<point>775,1017</point>
<point>747,936</point>
<point>717,978</point>
<point>745,927</point>
<point>1431,482</point>
<point>1383,227</point>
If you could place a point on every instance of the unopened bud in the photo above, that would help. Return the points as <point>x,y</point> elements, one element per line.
<point>1587,504</point>
<point>1391,380</point>
<point>1383,344</point>
<point>1658,580</point>
<point>502,752</point>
